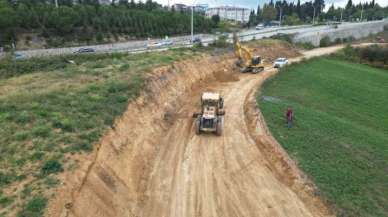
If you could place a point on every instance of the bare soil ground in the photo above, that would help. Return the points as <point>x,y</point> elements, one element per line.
<point>152,163</point>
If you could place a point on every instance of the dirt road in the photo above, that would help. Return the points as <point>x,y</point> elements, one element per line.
<point>146,168</point>
<point>218,176</point>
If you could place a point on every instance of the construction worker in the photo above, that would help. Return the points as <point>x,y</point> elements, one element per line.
<point>289,116</point>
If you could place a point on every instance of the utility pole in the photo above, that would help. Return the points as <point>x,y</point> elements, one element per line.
<point>280,18</point>
<point>192,23</point>
<point>314,15</point>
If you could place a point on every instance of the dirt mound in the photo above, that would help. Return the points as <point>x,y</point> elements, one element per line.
<point>270,49</point>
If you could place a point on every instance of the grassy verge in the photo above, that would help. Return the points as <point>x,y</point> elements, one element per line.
<point>340,137</point>
<point>51,108</point>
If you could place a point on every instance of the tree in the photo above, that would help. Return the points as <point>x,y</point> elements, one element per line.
<point>349,4</point>
<point>299,9</point>
<point>258,14</point>
<point>292,20</point>
<point>124,3</point>
<point>269,13</point>
<point>8,23</point>
<point>252,19</point>
<point>216,19</point>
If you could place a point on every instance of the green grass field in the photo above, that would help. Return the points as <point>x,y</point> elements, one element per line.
<point>51,109</point>
<point>340,137</point>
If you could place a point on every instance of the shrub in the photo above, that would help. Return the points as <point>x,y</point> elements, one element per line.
<point>283,37</point>
<point>5,201</point>
<point>305,45</point>
<point>6,179</point>
<point>221,42</point>
<point>124,67</point>
<point>338,41</point>
<point>99,37</point>
<point>51,166</point>
<point>41,131</point>
<point>34,208</point>
<point>324,42</point>
<point>23,117</point>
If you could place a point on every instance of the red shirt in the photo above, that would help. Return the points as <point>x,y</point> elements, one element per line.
<point>289,114</point>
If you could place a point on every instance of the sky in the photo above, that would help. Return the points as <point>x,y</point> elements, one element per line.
<point>252,4</point>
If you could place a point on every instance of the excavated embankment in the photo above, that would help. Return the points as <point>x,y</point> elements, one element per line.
<point>151,163</point>
<point>112,181</point>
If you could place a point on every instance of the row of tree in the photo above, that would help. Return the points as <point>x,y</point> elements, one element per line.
<point>301,13</point>
<point>88,19</point>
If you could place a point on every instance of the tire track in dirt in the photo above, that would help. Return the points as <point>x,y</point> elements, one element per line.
<point>155,165</point>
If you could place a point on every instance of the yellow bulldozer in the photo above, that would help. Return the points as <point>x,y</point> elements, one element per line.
<point>246,61</point>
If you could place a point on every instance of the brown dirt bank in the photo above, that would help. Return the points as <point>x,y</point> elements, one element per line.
<point>152,164</point>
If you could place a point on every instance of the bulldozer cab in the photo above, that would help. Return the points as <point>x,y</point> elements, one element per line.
<point>210,119</point>
<point>214,100</point>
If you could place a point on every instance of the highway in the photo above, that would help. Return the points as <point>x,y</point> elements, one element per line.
<point>184,41</point>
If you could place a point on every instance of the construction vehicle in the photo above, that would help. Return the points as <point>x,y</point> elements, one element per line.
<point>211,117</point>
<point>246,61</point>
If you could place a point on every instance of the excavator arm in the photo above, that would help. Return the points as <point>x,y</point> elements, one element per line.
<point>243,54</point>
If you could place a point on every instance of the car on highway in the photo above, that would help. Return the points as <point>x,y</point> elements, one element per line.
<point>259,27</point>
<point>280,62</point>
<point>197,40</point>
<point>85,50</point>
<point>167,42</point>
<point>19,56</point>
<point>154,44</point>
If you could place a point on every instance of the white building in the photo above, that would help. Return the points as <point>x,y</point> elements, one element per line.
<point>230,13</point>
<point>105,2</point>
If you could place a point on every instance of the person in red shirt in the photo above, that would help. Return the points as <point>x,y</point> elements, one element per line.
<point>289,116</point>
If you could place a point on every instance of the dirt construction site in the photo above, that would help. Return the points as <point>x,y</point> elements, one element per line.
<point>151,163</point>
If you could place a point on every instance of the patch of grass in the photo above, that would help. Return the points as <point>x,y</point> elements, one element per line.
<point>340,137</point>
<point>34,208</point>
<point>5,201</point>
<point>50,108</point>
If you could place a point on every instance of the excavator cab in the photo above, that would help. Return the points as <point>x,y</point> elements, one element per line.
<point>256,60</point>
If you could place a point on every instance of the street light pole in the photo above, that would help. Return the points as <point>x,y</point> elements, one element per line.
<point>342,10</point>
<point>280,18</point>
<point>314,15</point>
<point>192,23</point>
<point>362,10</point>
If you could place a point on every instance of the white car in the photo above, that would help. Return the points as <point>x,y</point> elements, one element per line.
<point>280,62</point>
<point>259,27</point>
<point>151,45</point>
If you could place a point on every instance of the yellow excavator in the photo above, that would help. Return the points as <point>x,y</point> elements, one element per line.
<point>246,61</point>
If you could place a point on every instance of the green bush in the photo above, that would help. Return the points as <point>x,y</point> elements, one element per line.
<point>325,42</point>
<point>99,37</point>
<point>283,37</point>
<point>41,131</point>
<point>221,42</point>
<point>305,45</point>
<point>6,178</point>
<point>5,201</point>
<point>34,208</point>
<point>51,166</point>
